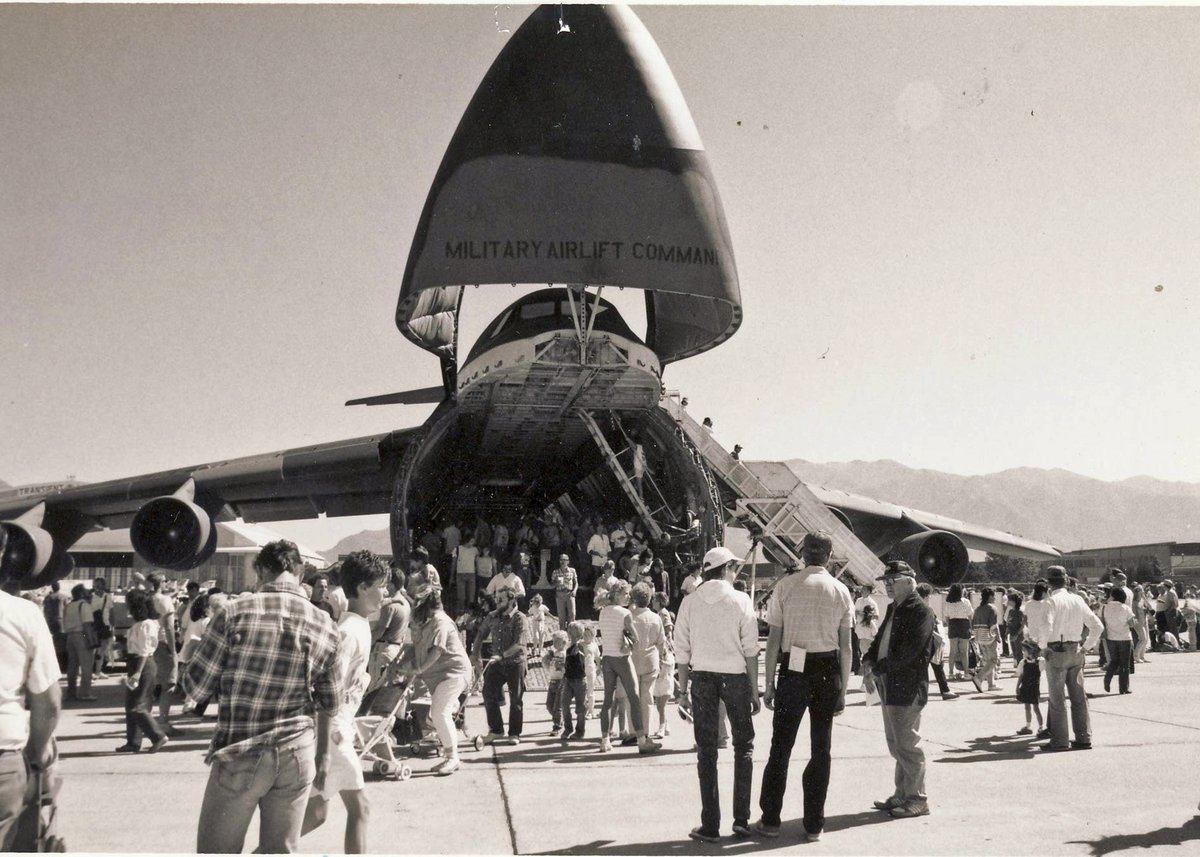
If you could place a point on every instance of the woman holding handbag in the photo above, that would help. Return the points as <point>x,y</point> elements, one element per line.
<point>82,643</point>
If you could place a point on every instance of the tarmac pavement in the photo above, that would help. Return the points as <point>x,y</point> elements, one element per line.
<point>990,791</point>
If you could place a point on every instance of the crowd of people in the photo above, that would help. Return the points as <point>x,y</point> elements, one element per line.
<point>332,638</point>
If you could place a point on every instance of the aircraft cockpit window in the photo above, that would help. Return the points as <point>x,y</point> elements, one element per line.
<point>530,312</point>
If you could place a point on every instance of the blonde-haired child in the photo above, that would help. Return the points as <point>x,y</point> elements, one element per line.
<point>554,661</point>
<point>664,687</point>
<point>591,655</point>
<point>538,613</point>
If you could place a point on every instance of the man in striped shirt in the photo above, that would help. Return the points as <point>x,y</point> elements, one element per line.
<point>273,659</point>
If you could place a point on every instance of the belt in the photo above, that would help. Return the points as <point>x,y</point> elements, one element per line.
<point>1061,645</point>
<point>812,657</point>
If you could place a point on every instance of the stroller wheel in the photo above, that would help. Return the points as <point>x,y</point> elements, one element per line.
<point>477,742</point>
<point>414,749</point>
<point>388,769</point>
<point>377,767</point>
<point>405,773</point>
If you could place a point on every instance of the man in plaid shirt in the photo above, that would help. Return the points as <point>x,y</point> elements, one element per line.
<point>272,657</point>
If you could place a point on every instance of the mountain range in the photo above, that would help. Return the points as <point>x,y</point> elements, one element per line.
<point>1054,506</point>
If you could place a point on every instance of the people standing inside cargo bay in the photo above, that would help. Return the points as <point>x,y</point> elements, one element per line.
<point>566,585</point>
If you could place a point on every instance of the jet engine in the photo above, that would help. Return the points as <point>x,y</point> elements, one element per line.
<point>172,532</point>
<point>937,556</point>
<point>28,550</point>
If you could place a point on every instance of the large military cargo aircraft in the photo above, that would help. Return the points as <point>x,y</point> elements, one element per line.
<point>576,166</point>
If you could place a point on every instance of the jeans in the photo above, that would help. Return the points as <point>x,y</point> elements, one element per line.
<point>79,664</point>
<point>816,690</point>
<point>442,706</point>
<point>564,603</point>
<point>13,779</point>
<point>900,727</point>
<point>466,590</point>
<point>707,690</point>
<point>1119,659</point>
<point>274,779</point>
<point>139,703</point>
<point>1064,676</point>
<point>939,673</point>
<point>497,677</point>
<point>573,692</point>
<point>620,669</point>
<point>554,700</point>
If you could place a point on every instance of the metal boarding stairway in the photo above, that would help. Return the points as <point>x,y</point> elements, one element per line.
<point>627,485</point>
<point>776,506</point>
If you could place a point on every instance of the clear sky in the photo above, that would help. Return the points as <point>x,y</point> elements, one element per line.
<point>968,239</point>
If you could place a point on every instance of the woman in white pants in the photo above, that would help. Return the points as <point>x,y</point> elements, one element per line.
<point>441,661</point>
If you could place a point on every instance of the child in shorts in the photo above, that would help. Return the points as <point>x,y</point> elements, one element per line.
<point>538,613</point>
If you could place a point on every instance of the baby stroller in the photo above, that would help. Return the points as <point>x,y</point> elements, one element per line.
<point>376,731</point>
<point>427,743</point>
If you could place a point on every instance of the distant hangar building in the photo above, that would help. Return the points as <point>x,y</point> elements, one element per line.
<point>1146,563</point>
<point>109,554</point>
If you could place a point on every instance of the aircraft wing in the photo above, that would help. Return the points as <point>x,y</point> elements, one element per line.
<point>349,477</point>
<point>876,523</point>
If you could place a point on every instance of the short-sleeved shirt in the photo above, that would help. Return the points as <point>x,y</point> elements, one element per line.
<point>507,631</point>
<point>440,632</point>
<point>1116,618</point>
<point>142,638</point>
<point>27,664</point>
<point>612,631</point>
<point>649,629</point>
<point>393,621</point>
<point>467,555</point>
<point>354,650</point>
<point>451,537</point>
<point>811,606</point>
<point>565,579</point>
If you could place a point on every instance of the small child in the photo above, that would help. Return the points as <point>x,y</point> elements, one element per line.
<point>664,688</point>
<point>1029,681</point>
<point>538,612</point>
<point>573,690</point>
<point>554,661</point>
<point>591,656</point>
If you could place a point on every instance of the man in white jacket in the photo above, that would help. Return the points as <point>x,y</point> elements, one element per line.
<point>716,650</point>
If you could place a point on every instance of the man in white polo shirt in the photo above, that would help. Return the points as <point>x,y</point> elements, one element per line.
<point>29,702</point>
<point>716,650</point>
<point>809,615</point>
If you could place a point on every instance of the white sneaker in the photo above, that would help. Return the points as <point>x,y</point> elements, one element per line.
<point>605,744</point>
<point>447,767</point>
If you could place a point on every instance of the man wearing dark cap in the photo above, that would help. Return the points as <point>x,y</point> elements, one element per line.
<point>810,615</point>
<point>1070,632</point>
<point>898,665</point>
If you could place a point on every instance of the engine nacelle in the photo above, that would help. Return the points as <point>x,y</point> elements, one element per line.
<point>173,532</point>
<point>937,556</point>
<point>27,553</point>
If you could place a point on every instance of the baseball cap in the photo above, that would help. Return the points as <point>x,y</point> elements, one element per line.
<point>897,568</point>
<point>718,557</point>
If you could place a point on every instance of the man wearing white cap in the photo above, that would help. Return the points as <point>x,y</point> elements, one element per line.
<point>716,648</point>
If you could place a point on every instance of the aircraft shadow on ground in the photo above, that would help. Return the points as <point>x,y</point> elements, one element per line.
<point>1187,832</point>
<point>994,748</point>
<point>790,839</point>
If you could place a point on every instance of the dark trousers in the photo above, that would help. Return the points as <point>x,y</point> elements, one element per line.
<point>855,655</point>
<point>816,690</point>
<point>498,676</point>
<point>139,702</point>
<point>1120,655</point>
<point>708,690</point>
<point>573,692</point>
<point>939,673</point>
